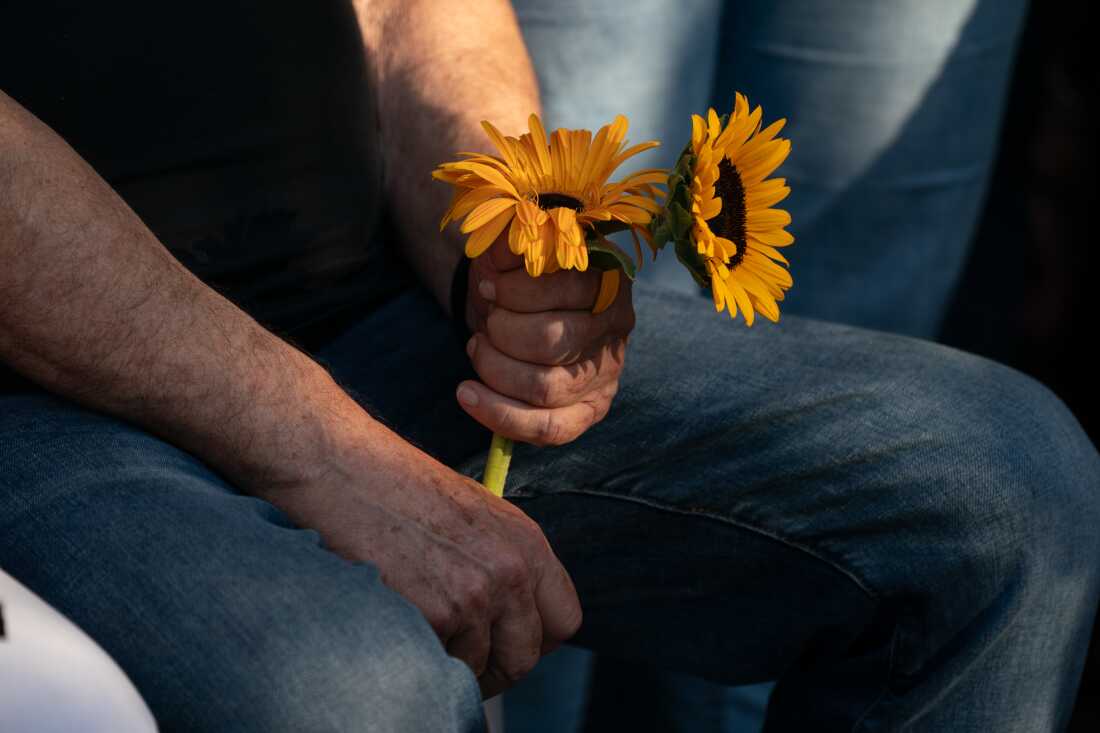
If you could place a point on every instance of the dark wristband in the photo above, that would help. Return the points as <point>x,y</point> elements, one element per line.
<point>459,285</point>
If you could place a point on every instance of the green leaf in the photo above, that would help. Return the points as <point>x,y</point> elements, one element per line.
<point>606,255</point>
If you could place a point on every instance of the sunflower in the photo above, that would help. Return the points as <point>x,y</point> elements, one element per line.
<point>551,196</point>
<point>733,232</point>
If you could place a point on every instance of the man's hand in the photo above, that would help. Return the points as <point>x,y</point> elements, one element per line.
<point>549,367</point>
<point>478,568</point>
<point>95,309</point>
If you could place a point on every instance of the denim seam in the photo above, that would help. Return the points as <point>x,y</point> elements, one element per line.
<point>715,517</point>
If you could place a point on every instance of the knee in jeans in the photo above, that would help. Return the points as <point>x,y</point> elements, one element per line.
<point>400,679</point>
<point>1025,477</point>
<point>1001,509</point>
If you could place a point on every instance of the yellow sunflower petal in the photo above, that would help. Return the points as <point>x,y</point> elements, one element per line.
<point>540,258</point>
<point>762,220</point>
<point>628,153</point>
<point>486,211</point>
<point>716,287</point>
<point>609,288</point>
<point>480,240</point>
<point>767,250</point>
<point>757,171</point>
<point>763,196</point>
<point>538,141</point>
<point>768,270</point>
<point>500,143</point>
<point>774,237</point>
<point>582,141</point>
<point>491,175</point>
<point>742,298</point>
<point>570,239</point>
<point>698,133</point>
<point>641,202</point>
<point>516,242</point>
<point>714,125</point>
<point>598,154</point>
<point>766,307</point>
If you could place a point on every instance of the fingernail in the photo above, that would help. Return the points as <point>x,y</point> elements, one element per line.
<point>487,289</point>
<point>467,396</point>
<point>471,346</point>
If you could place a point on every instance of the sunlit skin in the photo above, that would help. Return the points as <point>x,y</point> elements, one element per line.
<point>94,308</point>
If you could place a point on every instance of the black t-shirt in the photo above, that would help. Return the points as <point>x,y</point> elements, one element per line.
<point>243,133</point>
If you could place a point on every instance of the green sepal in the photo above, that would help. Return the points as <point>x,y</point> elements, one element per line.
<point>606,255</point>
<point>679,221</point>
<point>685,164</point>
<point>674,222</point>
<point>689,258</point>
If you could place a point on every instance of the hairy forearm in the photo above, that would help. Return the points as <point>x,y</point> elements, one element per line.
<point>94,308</point>
<point>441,67</point>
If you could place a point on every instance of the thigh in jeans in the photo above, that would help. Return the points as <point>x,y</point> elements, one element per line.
<point>854,513</point>
<point>894,109</point>
<point>224,615</point>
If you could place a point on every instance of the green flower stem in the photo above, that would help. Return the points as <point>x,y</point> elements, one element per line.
<point>496,466</point>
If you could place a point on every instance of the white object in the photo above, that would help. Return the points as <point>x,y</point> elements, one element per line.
<point>53,677</point>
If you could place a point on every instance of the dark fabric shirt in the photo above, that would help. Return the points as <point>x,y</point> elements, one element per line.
<point>243,133</point>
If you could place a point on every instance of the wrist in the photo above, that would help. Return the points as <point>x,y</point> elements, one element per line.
<point>294,427</point>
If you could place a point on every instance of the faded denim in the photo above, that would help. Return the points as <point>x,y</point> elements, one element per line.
<point>894,110</point>
<point>902,534</point>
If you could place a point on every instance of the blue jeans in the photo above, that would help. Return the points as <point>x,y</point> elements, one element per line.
<point>893,109</point>
<point>902,534</point>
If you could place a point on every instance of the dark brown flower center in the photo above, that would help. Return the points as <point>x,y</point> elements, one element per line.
<point>730,221</point>
<point>549,201</point>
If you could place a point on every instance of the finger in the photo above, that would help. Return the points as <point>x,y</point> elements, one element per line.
<point>540,426</point>
<point>501,258</point>
<point>550,337</point>
<point>539,385</point>
<point>557,603</point>
<point>563,290</point>
<point>516,641</point>
<point>472,646</point>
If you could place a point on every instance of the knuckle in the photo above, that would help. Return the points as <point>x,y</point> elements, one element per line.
<point>509,570</point>
<point>551,430</point>
<point>446,620</point>
<point>571,336</point>
<point>602,406</point>
<point>552,388</point>
<point>596,412</point>
<point>557,335</point>
<point>472,595</point>
<point>542,390</point>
